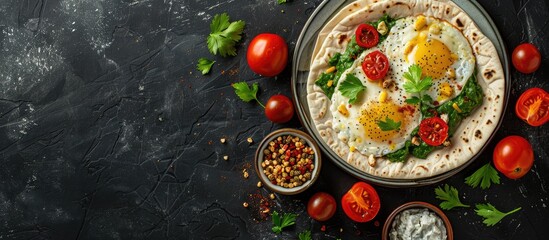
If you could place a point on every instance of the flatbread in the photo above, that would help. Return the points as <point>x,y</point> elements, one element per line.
<point>473,132</point>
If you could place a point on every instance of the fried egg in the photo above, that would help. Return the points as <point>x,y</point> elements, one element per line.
<point>438,48</point>
<point>441,50</point>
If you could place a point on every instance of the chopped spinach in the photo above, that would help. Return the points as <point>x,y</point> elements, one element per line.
<point>389,21</point>
<point>468,100</point>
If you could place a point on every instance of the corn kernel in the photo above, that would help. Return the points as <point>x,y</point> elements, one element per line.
<point>446,90</point>
<point>358,140</point>
<point>451,72</point>
<point>409,47</point>
<point>422,36</point>
<point>330,83</point>
<point>434,29</point>
<point>382,96</point>
<point>331,69</point>
<point>420,22</point>
<point>456,107</point>
<point>343,110</point>
<point>352,148</point>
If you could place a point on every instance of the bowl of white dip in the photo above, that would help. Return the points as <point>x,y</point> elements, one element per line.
<point>417,220</point>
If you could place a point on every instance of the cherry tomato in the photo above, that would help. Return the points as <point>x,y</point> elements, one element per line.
<point>375,65</point>
<point>267,54</point>
<point>533,107</point>
<point>279,109</point>
<point>366,36</point>
<point>526,58</point>
<point>361,203</point>
<point>513,156</point>
<point>433,131</point>
<point>321,206</point>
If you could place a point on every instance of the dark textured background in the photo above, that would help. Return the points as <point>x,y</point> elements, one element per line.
<point>107,131</point>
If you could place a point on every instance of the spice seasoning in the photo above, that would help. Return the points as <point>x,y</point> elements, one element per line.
<point>288,161</point>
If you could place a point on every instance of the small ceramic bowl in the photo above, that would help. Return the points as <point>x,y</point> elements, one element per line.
<point>417,205</point>
<point>260,156</point>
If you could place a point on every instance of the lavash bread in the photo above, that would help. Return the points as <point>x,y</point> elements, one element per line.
<point>473,132</point>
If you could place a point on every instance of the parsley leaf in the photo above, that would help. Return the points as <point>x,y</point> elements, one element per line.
<point>388,124</point>
<point>204,65</point>
<point>279,223</point>
<point>306,235</point>
<point>483,176</point>
<point>415,83</point>
<point>224,35</point>
<point>490,214</point>
<point>246,93</point>
<point>351,87</point>
<point>282,1</point>
<point>449,196</point>
<point>413,100</point>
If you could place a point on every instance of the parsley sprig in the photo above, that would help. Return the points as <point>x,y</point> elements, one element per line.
<point>204,65</point>
<point>416,84</point>
<point>224,35</point>
<point>305,235</point>
<point>351,87</point>
<point>280,222</point>
<point>490,214</point>
<point>247,94</point>
<point>484,176</point>
<point>388,124</point>
<point>450,197</point>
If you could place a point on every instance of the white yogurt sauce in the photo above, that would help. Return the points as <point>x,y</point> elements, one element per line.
<point>417,224</point>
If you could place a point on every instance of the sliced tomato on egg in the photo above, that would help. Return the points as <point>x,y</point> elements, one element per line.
<point>533,107</point>
<point>366,36</point>
<point>433,131</point>
<point>361,203</point>
<point>375,65</point>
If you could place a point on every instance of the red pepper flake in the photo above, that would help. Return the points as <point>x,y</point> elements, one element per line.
<point>323,228</point>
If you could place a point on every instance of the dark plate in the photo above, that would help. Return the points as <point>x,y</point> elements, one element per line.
<point>300,71</point>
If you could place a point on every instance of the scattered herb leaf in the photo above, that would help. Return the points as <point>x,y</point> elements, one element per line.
<point>415,83</point>
<point>388,124</point>
<point>287,219</point>
<point>204,65</point>
<point>282,1</point>
<point>351,87</point>
<point>490,214</point>
<point>246,93</point>
<point>224,35</point>
<point>485,176</point>
<point>449,196</point>
<point>306,235</point>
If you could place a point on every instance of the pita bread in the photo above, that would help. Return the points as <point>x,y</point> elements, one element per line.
<point>473,132</point>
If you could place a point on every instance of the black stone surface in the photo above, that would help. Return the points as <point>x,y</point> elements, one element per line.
<point>108,131</point>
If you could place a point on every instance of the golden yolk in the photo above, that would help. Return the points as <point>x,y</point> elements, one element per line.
<point>433,57</point>
<point>378,112</point>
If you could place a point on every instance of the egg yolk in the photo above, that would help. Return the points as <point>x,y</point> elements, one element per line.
<point>376,112</point>
<point>433,57</point>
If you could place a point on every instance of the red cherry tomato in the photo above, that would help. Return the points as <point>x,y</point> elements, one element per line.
<point>375,65</point>
<point>321,206</point>
<point>533,107</point>
<point>526,58</point>
<point>513,156</point>
<point>366,36</point>
<point>361,203</point>
<point>279,109</point>
<point>267,54</point>
<point>433,131</point>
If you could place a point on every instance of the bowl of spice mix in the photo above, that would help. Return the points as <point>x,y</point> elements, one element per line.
<point>288,161</point>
